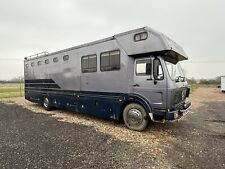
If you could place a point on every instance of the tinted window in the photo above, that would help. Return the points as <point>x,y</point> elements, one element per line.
<point>55,59</point>
<point>140,36</point>
<point>66,57</point>
<point>144,67</point>
<point>89,63</point>
<point>46,61</point>
<point>110,60</point>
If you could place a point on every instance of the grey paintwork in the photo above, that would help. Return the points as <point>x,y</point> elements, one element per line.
<point>68,75</point>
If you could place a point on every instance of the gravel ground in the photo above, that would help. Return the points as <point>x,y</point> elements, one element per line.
<point>200,137</point>
<point>35,140</point>
<point>31,137</point>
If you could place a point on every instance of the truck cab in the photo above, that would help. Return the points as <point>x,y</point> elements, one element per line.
<point>161,81</point>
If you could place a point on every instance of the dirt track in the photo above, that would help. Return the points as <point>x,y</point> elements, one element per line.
<point>31,137</point>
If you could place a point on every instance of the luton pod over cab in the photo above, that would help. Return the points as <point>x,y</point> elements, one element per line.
<point>133,76</point>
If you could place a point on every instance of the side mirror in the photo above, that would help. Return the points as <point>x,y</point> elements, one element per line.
<point>157,70</point>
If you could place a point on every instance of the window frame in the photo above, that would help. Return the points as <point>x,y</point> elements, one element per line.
<point>39,63</point>
<point>66,58</point>
<point>144,59</point>
<point>109,60</point>
<point>47,61</point>
<point>139,34</point>
<point>88,63</point>
<point>55,59</point>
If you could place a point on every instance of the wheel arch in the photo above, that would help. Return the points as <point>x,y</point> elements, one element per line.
<point>134,98</point>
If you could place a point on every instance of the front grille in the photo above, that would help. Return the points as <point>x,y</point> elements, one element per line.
<point>177,97</point>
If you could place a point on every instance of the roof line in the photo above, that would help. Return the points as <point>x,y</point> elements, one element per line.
<point>86,44</point>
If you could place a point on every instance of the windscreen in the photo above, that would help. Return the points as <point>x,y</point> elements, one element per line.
<point>175,71</point>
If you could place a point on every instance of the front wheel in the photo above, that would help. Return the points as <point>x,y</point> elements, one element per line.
<point>46,104</point>
<point>135,117</point>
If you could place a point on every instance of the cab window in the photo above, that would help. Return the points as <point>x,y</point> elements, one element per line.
<point>144,67</point>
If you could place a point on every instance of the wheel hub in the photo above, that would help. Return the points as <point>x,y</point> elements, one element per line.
<point>134,117</point>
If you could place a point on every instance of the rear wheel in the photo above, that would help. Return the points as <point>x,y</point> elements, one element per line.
<point>135,117</point>
<point>46,104</point>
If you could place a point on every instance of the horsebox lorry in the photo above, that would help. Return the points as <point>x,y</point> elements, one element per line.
<point>133,76</point>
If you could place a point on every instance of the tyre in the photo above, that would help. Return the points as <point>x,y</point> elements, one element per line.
<point>135,117</point>
<point>46,104</point>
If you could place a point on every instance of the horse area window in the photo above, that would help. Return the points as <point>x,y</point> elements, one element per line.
<point>110,60</point>
<point>55,59</point>
<point>65,57</point>
<point>89,63</point>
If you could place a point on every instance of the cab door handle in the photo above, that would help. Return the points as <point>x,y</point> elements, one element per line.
<point>136,85</point>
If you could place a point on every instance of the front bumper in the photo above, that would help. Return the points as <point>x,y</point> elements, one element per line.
<point>177,114</point>
<point>163,116</point>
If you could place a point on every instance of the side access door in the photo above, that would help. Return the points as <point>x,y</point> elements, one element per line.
<point>149,81</point>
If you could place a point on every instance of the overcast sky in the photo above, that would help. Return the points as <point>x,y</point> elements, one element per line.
<point>31,26</point>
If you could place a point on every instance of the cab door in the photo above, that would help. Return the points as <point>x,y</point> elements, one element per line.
<point>149,81</point>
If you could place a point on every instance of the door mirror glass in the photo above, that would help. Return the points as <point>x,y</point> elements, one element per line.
<point>158,71</point>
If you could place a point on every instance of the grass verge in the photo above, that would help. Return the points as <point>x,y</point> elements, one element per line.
<point>8,90</point>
